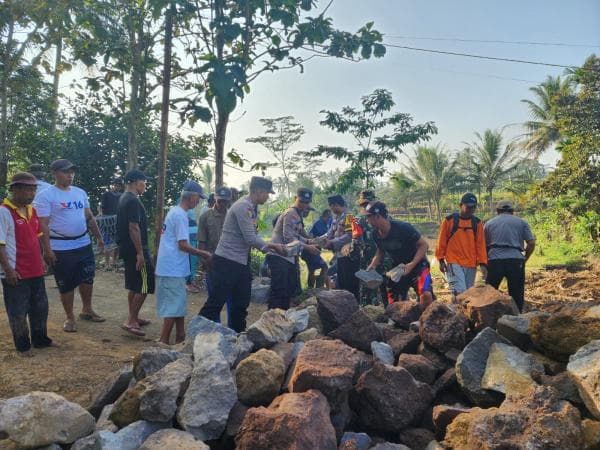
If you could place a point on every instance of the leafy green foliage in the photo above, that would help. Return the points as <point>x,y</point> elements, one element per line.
<point>380,138</point>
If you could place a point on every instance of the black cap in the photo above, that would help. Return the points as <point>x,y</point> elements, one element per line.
<point>468,199</point>
<point>365,196</point>
<point>304,195</point>
<point>134,175</point>
<point>376,208</point>
<point>62,164</point>
<point>336,199</point>
<point>192,186</point>
<point>222,193</point>
<point>261,183</point>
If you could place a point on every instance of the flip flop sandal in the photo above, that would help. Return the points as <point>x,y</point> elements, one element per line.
<point>144,322</point>
<point>69,326</point>
<point>133,330</point>
<point>92,317</point>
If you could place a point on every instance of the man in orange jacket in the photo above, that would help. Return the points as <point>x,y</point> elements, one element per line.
<point>461,246</point>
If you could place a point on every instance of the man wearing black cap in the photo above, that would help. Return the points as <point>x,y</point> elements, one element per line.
<point>22,266</point>
<point>210,227</point>
<point>284,269</point>
<point>407,249</point>
<point>132,237</point>
<point>108,207</point>
<point>505,235</point>
<point>461,246</point>
<point>339,239</point>
<point>66,220</point>
<point>230,273</point>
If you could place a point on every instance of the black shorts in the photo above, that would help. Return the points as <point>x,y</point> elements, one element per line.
<point>74,267</point>
<point>419,279</point>
<point>139,281</point>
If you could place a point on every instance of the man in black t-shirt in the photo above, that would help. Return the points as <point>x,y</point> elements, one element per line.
<point>108,207</point>
<point>132,237</point>
<point>407,249</point>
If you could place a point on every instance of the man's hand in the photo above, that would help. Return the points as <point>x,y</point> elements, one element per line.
<point>408,268</point>
<point>50,257</point>
<point>12,277</point>
<point>311,249</point>
<point>279,248</point>
<point>443,266</point>
<point>140,262</point>
<point>100,246</point>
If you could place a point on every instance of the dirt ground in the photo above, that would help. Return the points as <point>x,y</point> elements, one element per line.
<point>84,359</point>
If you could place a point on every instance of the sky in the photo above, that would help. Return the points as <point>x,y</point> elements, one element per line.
<point>461,95</point>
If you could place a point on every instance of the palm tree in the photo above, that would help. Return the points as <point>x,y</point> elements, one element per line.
<point>432,170</point>
<point>207,177</point>
<point>542,130</point>
<point>493,161</point>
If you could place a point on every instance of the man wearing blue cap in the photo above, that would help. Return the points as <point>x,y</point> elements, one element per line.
<point>173,263</point>
<point>284,269</point>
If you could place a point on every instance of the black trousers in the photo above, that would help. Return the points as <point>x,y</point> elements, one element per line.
<point>27,301</point>
<point>346,268</point>
<point>284,282</point>
<point>514,272</point>
<point>229,280</point>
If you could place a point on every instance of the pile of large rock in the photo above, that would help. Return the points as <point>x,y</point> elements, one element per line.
<point>330,375</point>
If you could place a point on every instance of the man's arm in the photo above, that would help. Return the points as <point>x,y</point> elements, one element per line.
<point>49,255</point>
<point>185,246</point>
<point>93,227</point>
<point>529,248</point>
<point>135,234</point>
<point>377,259</point>
<point>422,248</point>
<point>441,246</point>
<point>11,276</point>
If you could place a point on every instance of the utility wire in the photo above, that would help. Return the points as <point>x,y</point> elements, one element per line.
<point>492,41</point>
<point>470,55</point>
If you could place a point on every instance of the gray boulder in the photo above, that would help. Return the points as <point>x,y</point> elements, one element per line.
<point>111,389</point>
<point>516,328</point>
<point>164,388</point>
<point>272,327</point>
<point>383,352</point>
<point>104,423</point>
<point>584,369</point>
<point>358,441</point>
<point>42,418</point>
<point>151,360</point>
<point>471,364</point>
<point>208,399</point>
<point>300,318</point>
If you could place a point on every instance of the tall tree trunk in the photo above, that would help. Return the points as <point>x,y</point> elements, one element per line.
<point>164,123</point>
<point>220,132</point>
<point>6,63</point>
<point>134,107</point>
<point>491,200</point>
<point>429,208</point>
<point>55,82</point>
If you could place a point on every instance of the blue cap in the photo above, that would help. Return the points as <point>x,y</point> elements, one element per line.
<point>223,193</point>
<point>192,186</point>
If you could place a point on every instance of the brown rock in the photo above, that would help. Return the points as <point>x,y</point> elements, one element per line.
<point>126,409</point>
<point>484,305</point>
<point>236,417</point>
<point>296,421</point>
<point>591,434</point>
<point>446,381</point>
<point>172,440</point>
<point>335,308</point>
<point>259,377</point>
<point>389,399</point>
<point>551,367</point>
<point>405,342</point>
<point>389,331</point>
<point>416,438</point>
<point>536,420</point>
<point>564,332</point>
<point>358,332</point>
<point>404,313</point>
<point>584,369</point>
<point>286,351</point>
<point>376,313</point>
<point>439,360</point>
<point>564,385</point>
<point>443,415</point>
<point>442,328</point>
<point>419,367</point>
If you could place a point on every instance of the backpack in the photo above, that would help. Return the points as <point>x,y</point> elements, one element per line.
<point>455,217</point>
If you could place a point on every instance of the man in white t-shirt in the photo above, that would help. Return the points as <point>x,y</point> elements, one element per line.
<point>65,217</point>
<point>173,263</point>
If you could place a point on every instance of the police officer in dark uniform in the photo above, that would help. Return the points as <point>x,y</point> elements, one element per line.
<point>367,248</point>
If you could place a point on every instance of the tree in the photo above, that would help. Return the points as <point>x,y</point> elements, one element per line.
<point>207,176</point>
<point>492,161</point>
<point>433,171</point>
<point>379,138</point>
<point>280,136</point>
<point>231,43</point>
<point>543,131</point>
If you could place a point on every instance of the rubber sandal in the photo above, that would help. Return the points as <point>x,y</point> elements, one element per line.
<point>92,317</point>
<point>133,330</point>
<point>144,322</point>
<point>69,326</point>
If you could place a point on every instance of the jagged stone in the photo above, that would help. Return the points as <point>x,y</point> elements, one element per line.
<point>307,335</point>
<point>104,423</point>
<point>172,440</point>
<point>111,389</point>
<point>584,369</point>
<point>404,313</point>
<point>259,377</point>
<point>358,332</point>
<point>405,342</point>
<point>419,367</point>
<point>151,360</point>
<point>272,327</point>
<point>516,328</point>
<point>376,313</point>
<point>443,415</point>
<point>442,328</point>
<point>383,352</point>
<point>300,317</point>
<point>484,305</point>
<point>416,438</point>
<point>591,434</point>
<point>335,307</point>
<point>359,441</point>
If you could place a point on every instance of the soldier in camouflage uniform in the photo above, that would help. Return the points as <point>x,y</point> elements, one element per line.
<point>367,249</point>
